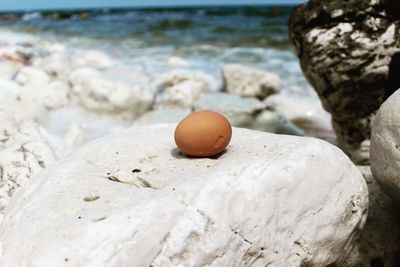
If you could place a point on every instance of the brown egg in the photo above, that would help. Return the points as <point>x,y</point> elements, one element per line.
<point>203,134</point>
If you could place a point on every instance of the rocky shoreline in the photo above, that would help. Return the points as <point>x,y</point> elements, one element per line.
<point>54,102</point>
<point>94,93</point>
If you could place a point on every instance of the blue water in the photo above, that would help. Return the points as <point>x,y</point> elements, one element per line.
<point>206,37</point>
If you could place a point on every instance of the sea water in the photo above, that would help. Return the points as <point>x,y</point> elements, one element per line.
<point>205,37</point>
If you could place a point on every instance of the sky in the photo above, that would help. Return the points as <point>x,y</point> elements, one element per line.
<point>9,5</point>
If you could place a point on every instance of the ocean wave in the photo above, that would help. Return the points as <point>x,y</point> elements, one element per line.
<point>31,16</point>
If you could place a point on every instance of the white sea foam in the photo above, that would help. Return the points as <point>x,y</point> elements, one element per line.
<point>31,16</point>
<point>10,37</point>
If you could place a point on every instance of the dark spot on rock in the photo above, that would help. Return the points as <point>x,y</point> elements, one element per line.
<point>100,219</point>
<point>377,262</point>
<point>144,183</point>
<point>79,217</point>
<point>262,248</point>
<point>66,259</point>
<point>136,170</point>
<point>114,178</point>
<point>91,198</point>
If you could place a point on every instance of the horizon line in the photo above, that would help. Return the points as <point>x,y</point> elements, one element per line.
<point>144,7</point>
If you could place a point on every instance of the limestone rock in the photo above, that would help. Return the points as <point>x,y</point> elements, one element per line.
<point>57,65</point>
<point>57,95</point>
<point>32,77</point>
<point>350,53</point>
<point>175,77</point>
<point>239,111</point>
<point>385,146</point>
<point>310,117</point>
<point>131,200</point>
<point>51,95</point>
<point>25,149</point>
<point>10,61</point>
<point>182,95</point>
<point>249,82</point>
<point>246,113</point>
<point>274,122</point>
<point>379,243</point>
<point>101,94</point>
<point>9,90</point>
<point>9,69</point>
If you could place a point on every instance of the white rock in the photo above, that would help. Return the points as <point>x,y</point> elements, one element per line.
<point>33,77</point>
<point>246,113</point>
<point>93,59</point>
<point>9,90</point>
<point>379,241</point>
<point>182,94</point>
<point>9,69</point>
<point>57,94</point>
<point>54,94</point>
<point>175,77</point>
<point>240,111</point>
<point>57,65</point>
<point>98,93</point>
<point>131,200</point>
<point>249,82</point>
<point>385,146</point>
<point>25,149</point>
<point>76,135</point>
<point>274,122</point>
<point>310,117</point>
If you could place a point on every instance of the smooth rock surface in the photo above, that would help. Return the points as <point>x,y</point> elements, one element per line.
<point>246,113</point>
<point>250,82</point>
<point>132,200</point>
<point>350,53</point>
<point>25,149</point>
<point>310,117</point>
<point>239,111</point>
<point>385,146</point>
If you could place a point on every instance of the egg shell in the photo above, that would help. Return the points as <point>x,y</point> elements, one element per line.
<point>203,134</point>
